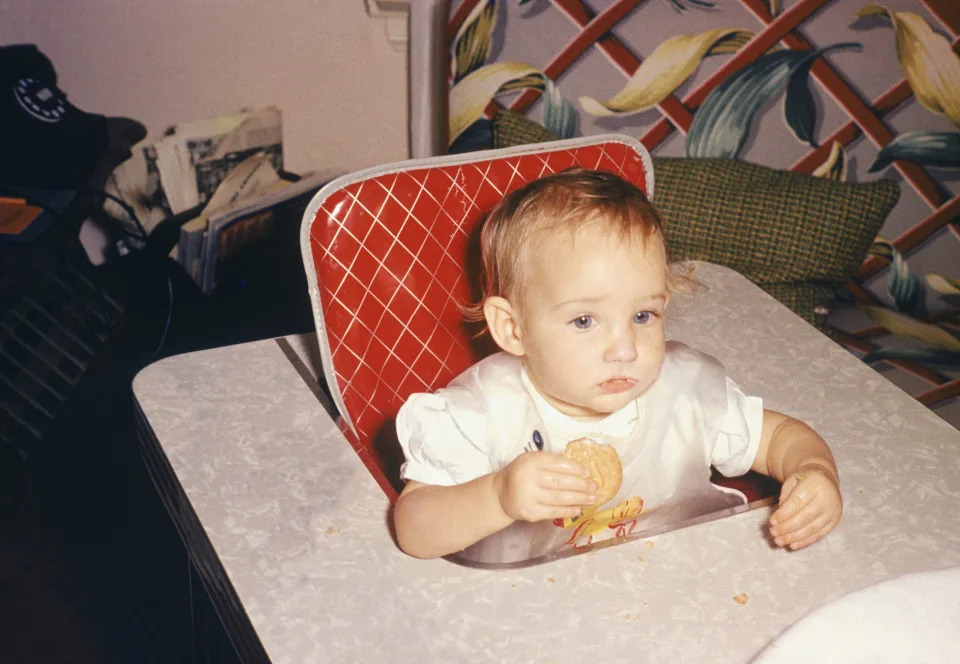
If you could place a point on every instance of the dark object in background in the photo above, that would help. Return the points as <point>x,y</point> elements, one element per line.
<point>48,142</point>
<point>88,552</point>
<point>56,313</point>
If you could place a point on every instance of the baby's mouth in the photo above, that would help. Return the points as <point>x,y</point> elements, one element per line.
<point>617,385</point>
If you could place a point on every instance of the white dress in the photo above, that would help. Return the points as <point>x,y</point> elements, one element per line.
<point>691,418</point>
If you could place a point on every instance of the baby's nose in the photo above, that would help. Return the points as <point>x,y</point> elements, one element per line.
<point>621,346</point>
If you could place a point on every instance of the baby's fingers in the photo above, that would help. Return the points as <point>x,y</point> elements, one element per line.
<point>793,503</point>
<point>795,531</point>
<point>814,532</point>
<point>785,520</point>
<point>562,498</point>
<point>577,483</point>
<point>548,462</point>
<point>564,489</point>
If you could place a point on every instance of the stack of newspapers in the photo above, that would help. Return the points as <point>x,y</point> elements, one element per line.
<point>248,213</point>
<point>225,170</point>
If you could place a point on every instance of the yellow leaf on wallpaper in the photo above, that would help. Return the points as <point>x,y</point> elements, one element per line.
<point>883,248</point>
<point>905,326</point>
<point>835,166</point>
<point>670,64</point>
<point>470,97</point>
<point>473,39</point>
<point>943,285</point>
<point>928,62</point>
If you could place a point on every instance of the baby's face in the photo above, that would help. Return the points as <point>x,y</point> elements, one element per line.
<point>592,319</point>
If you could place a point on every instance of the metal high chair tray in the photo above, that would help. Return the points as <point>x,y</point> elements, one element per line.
<point>480,557</point>
<point>529,544</point>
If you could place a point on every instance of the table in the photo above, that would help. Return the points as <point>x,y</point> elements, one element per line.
<point>291,534</point>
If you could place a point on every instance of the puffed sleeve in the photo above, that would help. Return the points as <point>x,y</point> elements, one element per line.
<point>440,447</point>
<point>739,439</point>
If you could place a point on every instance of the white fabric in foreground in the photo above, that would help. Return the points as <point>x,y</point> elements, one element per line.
<point>910,618</point>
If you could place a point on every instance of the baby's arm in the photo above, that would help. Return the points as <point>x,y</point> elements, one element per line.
<point>433,521</point>
<point>810,501</point>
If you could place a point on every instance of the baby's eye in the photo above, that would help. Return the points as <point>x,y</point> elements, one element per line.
<point>583,322</point>
<point>643,317</point>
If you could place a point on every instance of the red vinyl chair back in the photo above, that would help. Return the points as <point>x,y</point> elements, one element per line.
<point>386,253</point>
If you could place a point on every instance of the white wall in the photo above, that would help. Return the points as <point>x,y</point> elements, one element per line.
<point>328,66</point>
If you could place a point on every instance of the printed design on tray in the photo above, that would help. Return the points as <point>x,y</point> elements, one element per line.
<point>593,526</point>
<point>721,114</point>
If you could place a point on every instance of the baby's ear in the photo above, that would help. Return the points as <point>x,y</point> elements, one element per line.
<point>503,324</point>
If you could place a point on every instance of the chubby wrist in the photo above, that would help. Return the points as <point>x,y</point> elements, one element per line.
<point>496,496</point>
<point>823,465</point>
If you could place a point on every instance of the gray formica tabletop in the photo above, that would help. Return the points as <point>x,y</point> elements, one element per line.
<point>290,533</point>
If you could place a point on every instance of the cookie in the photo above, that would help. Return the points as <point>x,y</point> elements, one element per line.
<point>602,461</point>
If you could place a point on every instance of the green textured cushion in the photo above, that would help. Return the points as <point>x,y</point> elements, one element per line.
<point>511,128</point>
<point>797,236</point>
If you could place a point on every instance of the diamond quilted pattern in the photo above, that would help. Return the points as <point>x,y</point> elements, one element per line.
<point>389,252</point>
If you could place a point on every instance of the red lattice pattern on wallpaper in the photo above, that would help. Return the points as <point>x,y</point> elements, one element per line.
<point>389,252</point>
<point>865,119</point>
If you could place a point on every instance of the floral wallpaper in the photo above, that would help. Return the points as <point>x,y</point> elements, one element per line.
<point>843,89</point>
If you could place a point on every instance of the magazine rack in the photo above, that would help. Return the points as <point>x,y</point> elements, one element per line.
<point>388,253</point>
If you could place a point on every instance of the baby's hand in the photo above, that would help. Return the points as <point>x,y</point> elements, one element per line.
<point>810,506</point>
<point>542,485</point>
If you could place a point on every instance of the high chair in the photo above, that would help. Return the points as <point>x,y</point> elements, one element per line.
<point>388,253</point>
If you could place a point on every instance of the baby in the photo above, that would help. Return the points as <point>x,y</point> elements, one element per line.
<point>576,285</point>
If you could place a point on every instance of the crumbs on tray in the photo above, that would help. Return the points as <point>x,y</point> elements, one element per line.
<point>741,598</point>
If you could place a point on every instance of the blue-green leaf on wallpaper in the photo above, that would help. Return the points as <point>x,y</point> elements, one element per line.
<point>882,249</point>
<point>903,286</point>
<point>938,356</point>
<point>799,108</point>
<point>845,295</point>
<point>929,148</point>
<point>559,115</point>
<point>682,4</point>
<point>721,124</point>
